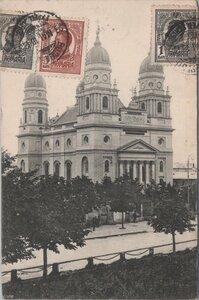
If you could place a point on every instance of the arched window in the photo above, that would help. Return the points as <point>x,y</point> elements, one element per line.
<point>68,143</point>
<point>159,107</point>
<point>46,144</point>
<point>68,165</point>
<point>87,103</point>
<point>57,144</point>
<point>105,102</point>
<point>85,166</point>
<point>161,166</point>
<point>40,116</point>
<point>85,140</point>
<point>23,165</point>
<point>106,166</point>
<point>143,106</point>
<point>46,168</point>
<point>56,168</point>
<point>23,146</point>
<point>25,116</point>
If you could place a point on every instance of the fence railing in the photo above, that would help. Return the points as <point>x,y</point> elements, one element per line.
<point>86,262</point>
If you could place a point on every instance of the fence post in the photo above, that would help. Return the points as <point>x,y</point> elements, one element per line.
<point>122,256</point>
<point>90,262</point>
<point>55,270</point>
<point>14,277</point>
<point>151,251</point>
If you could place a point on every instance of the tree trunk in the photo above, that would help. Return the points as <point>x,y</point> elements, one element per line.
<point>122,220</point>
<point>44,262</point>
<point>174,243</point>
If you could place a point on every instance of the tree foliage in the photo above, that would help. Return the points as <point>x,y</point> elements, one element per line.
<point>16,187</point>
<point>42,212</point>
<point>123,194</point>
<point>171,214</point>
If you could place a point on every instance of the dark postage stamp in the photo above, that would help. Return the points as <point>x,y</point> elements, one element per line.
<point>14,53</point>
<point>176,37</point>
<point>41,41</point>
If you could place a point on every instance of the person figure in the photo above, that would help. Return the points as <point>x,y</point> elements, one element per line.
<point>134,216</point>
<point>94,223</point>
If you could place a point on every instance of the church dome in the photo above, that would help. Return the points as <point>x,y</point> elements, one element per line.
<point>97,54</point>
<point>148,67</point>
<point>35,80</point>
<point>80,87</point>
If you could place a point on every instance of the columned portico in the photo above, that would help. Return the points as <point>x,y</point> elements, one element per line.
<point>143,170</point>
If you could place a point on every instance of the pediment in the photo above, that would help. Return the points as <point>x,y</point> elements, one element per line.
<point>138,146</point>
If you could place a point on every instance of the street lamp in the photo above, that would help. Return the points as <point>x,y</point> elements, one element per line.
<point>188,193</point>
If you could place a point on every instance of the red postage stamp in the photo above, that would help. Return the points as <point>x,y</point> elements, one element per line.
<point>51,59</point>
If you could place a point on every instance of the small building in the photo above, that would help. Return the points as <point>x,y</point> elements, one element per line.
<point>183,176</point>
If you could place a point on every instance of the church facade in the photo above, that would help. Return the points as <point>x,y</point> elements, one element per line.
<point>99,136</point>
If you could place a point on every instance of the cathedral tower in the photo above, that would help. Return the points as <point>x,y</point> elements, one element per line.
<point>35,117</point>
<point>94,93</point>
<point>152,97</point>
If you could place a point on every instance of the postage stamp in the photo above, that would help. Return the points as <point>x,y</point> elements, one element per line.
<point>14,53</point>
<point>70,61</point>
<point>41,41</point>
<point>176,37</point>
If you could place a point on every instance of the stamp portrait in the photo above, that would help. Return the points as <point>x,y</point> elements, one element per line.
<point>70,61</point>
<point>175,35</point>
<point>15,50</point>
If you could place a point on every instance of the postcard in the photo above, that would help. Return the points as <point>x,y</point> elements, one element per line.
<point>99,149</point>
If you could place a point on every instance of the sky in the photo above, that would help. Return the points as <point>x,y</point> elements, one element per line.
<point>126,34</point>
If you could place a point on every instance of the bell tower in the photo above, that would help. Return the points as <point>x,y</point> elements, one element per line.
<point>95,93</point>
<point>152,96</point>
<point>35,117</point>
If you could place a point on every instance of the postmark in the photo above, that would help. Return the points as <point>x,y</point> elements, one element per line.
<point>41,41</point>
<point>176,38</point>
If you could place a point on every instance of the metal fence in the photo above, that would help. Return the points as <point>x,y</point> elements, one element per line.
<point>88,262</point>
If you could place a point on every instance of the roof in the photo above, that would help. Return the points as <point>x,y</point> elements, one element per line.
<point>35,80</point>
<point>69,116</point>
<point>147,67</point>
<point>139,145</point>
<point>97,54</point>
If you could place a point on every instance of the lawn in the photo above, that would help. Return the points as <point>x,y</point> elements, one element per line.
<point>163,276</point>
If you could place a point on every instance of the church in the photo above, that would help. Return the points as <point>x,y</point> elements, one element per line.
<point>99,136</point>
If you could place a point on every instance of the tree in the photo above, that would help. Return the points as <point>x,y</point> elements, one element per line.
<point>56,216</point>
<point>6,161</point>
<point>16,187</point>
<point>171,215</point>
<point>123,194</point>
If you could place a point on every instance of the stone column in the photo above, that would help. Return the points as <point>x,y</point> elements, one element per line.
<point>153,170</point>
<point>128,167</point>
<point>140,172</point>
<point>91,103</point>
<point>100,102</point>
<point>134,169</point>
<point>147,172</point>
<point>121,168</point>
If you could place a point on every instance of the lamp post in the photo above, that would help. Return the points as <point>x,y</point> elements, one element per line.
<point>188,196</point>
<point>188,182</point>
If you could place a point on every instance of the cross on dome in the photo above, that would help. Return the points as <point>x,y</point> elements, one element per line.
<point>97,41</point>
